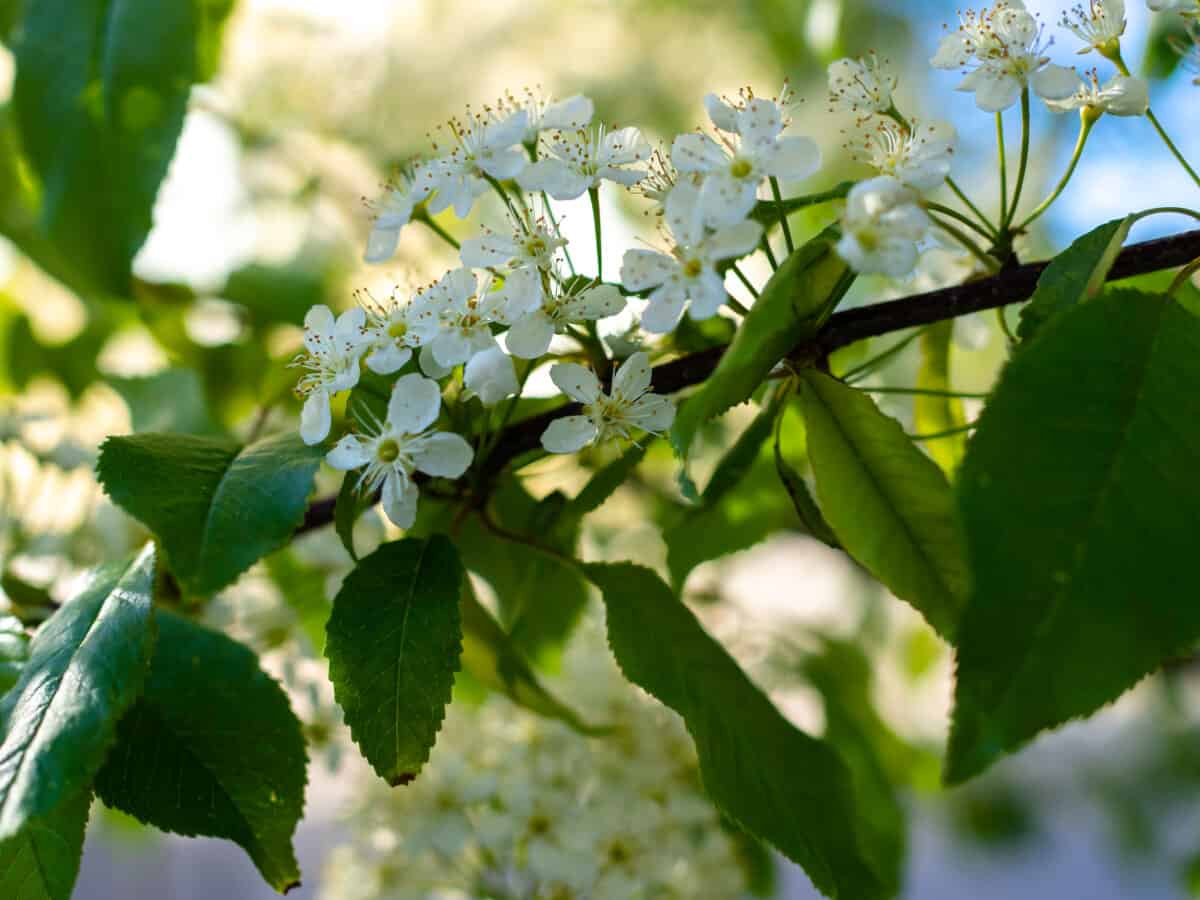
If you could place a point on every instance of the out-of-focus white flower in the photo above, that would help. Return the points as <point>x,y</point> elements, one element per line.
<point>393,450</point>
<point>388,334</point>
<point>660,178</point>
<point>453,316</point>
<point>1099,25</point>
<point>330,359</point>
<point>582,158</point>
<point>490,376</point>
<point>1119,96</point>
<point>881,227</point>
<point>533,246</point>
<point>918,155</point>
<point>1003,49</point>
<point>545,114</point>
<point>395,211</point>
<point>751,149</point>
<point>530,335</point>
<point>861,85</point>
<point>483,146</point>
<point>630,407</point>
<point>689,273</point>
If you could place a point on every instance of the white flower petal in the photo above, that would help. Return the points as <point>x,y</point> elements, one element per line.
<point>574,112</point>
<point>569,434</point>
<point>521,294</point>
<point>555,178</point>
<point>318,328</point>
<point>596,302</point>
<point>487,251</point>
<point>794,158</point>
<point>625,146</point>
<point>642,269</point>
<point>725,200</point>
<point>576,382</point>
<point>502,164</point>
<point>1053,82</point>
<point>663,312</point>
<point>684,213</point>
<point>760,121</point>
<point>429,364</point>
<point>414,404</point>
<point>697,153</point>
<point>451,348</point>
<point>506,132</point>
<point>707,294</point>
<point>315,418</point>
<point>632,378</point>
<point>734,240</point>
<point>953,52</point>
<point>351,452</point>
<point>388,358</point>
<point>994,91</point>
<point>721,113</point>
<point>653,413</point>
<point>400,500</point>
<point>381,243</point>
<point>530,337</point>
<point>490,376</point>
<point>443,455</point>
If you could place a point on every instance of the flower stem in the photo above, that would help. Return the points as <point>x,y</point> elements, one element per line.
<point>956,215</point>
<point>787,231</point>
<point>734,304</point>
<point>499,188</point>
<point>1171,145</point>
<point>870,365</point>
<point>966,201</point>
<point>928,392</point>
<point>554,224</point>
<point>765,243</point>
<point>746,282</point>
<point>1182,277</point>
<point>594,196</point>
<point>422,216</point>
<point>973,248</point>
<point>934,435</point>
<point>1003,158</point>
<point>1023,164</point>
<point>1085,128</point>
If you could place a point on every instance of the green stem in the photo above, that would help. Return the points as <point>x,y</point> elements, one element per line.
<point>783,220</point>
<point>1085,128</point>
<point>499,189</point>
<point>975,250</point>
<point>870,365</point>
<point>1023,163</point>
<point>1182,277</point>
<point>746,282</point>
<point>1171,146</point>
<point>554,224</point>
<point>934,435</point>
<point>1003,320</point>
<point>928,392</point>
<point>733,303</point>
<point>427,220</point>
<point>957,216</point>
<point>766,248</point>
<point>1003,157</point>
<point>594,196</point>
<point>966,201</point>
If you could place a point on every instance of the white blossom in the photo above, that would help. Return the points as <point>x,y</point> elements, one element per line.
<point>544,114</point>
<point>582,158</point>
<point>861,85</point>
<point>395,211</point>
<point>689,273</point>
<point>531,333</point>
<point>918,154</point>
<point>530,246</point>
<point>393,450</point>
<point>389,337</point>
<point>484,145</point>
<point>1099,24</point>
<point>1119,96</point>
<point>881,227</point>
<point>330,358</point>
<point>454,317</point>
<point>1003,51</point>
<point>490,376</point>
<point>750,149</point>
<point>629,407</point>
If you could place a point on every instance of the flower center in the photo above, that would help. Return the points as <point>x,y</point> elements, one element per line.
<point>692,268</point>
<point>397,330</point>
<point>535,247</point>
<point>740,168</point>
<point>389,451</point>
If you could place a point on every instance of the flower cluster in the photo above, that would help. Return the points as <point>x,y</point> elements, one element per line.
<point>515,805</point>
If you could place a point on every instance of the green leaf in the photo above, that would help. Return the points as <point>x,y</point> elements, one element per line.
<point>169,401</point>
<point>888,503</point>
<point>797,488</point>
<point>42,861</point>
<point>101,90</point>
<point>350,504</point>
<point>776,782</point>
<point>212,748</point>
<point>489,655</point>
<point>394,642</point>
<point>792,306</point>
<point>933,413</point>
<point>1081,506</point>
<point>1075,275</point>
<point>14,650</point>
<point>86,666</point>
<point>216,508</point>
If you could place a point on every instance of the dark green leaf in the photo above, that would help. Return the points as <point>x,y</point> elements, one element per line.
<point>1081,506</point>
<point>888,503</point>
<point>797,488</point>
<point>86,667</point>
<point>778,783</point>
<point>216,508</point>
<point>933,413</point>
<point>42,862</point>
<point>488,654</point>
<point>351,503</point>
<point>793,305</point>
<point>1075,275</point>
<point>14,650</point>
<point>168,401</point>
<point>393,642</point>
<point>101,90</point>
<point>212,748</point>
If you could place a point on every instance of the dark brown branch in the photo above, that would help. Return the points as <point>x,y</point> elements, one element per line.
<point>1010,286</point>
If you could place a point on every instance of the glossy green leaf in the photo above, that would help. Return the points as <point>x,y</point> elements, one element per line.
<point>14,650</point>
<point>168,401</point>
<point>489,655</point>
<point>101,90</point>
<point>932,413</point>
<point>42,861</point>
<point>1081,506</point>
<point>792,306</point>
<point>1075,275</point>
<point>393,642</point>
<point>86,666</point>
<point>888,503</point>
<point>216,508</point>
<point>772,779</point>
<point>212,748</point>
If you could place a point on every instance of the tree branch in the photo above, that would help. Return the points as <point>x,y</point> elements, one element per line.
<point>1009,286</point>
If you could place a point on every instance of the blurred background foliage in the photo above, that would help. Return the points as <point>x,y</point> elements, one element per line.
<point>306,108</point>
